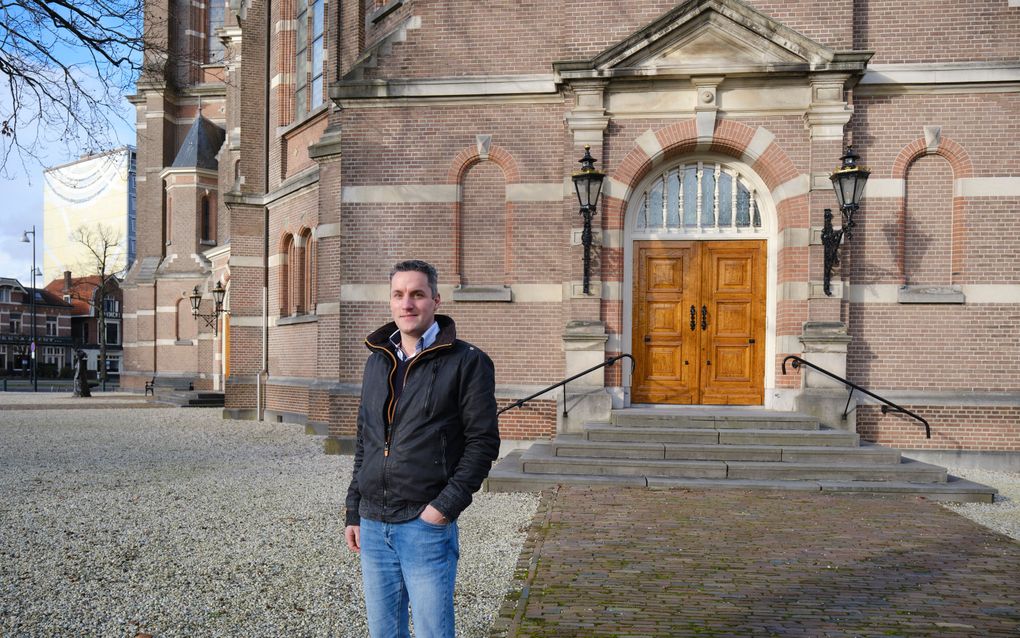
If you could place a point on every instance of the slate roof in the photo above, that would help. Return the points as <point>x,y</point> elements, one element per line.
<point>200,146</point>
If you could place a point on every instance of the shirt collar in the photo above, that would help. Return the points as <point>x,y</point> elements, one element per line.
<point>426,340</point>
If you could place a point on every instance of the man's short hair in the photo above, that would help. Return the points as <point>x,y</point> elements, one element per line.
<point>417,265</point>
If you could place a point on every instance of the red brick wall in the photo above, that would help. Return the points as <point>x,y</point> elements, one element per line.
<point>969,348</point>
<point>952,427</point>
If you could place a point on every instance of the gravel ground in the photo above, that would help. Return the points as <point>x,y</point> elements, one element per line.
<point>115,522</point>
<point>171,522</point>
<point>1003,515</point>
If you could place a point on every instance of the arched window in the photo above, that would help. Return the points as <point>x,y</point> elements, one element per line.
<point>308,272</point>
<point>928,223</point>
<point>207,222</point>
<point>483,225</point>
<point>699,198</point>
<point>309,56</point>
<point>214,20</point>
<point>284,283</point>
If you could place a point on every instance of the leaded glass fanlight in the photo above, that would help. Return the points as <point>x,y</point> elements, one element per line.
<point>699,198</point>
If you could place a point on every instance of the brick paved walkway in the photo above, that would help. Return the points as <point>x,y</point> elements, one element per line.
<point>635,562</point>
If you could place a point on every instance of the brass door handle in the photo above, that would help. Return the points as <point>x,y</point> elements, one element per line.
<point>704,318</point>
<point>694,319</point>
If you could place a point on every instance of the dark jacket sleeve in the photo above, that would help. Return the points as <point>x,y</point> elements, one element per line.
<point>353,501</point>
<point>481,434</point>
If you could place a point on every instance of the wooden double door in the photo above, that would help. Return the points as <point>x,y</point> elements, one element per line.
<point>699,322</point>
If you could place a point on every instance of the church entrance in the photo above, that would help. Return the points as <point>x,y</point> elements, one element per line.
<point>699,322</point>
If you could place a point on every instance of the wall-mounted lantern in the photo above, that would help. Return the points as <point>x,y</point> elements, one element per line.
<point>588,184</point>
<point>218,293</point>
<point>848,181</point>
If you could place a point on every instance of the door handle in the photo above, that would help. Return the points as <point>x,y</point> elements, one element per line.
<point>704,318</point>
<point>648,339</point>
<point>694,320</point>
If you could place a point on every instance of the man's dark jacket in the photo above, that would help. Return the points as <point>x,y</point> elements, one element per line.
<point>435,443</point>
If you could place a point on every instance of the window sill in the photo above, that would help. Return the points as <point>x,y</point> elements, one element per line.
<point>931,295</point>
<point>383,11</point>
<point>502,294</point>
<point>207,242</point>
<point>295,319</point>
<point>307,120</point>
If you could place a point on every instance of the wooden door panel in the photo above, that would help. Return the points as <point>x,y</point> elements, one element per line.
<point>732,364</point>
<point>663,343</point>
<point>733,345</point>
<point>734,318</point>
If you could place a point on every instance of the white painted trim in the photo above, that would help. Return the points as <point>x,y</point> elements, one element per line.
<point>535,192</point>
<point>885,187</point>
<point>986,187</point>
<point>460,87</point>
<point>649,143</point>
<point>248,322</point>
<point>614,188</point>
<point>759,143</point>
<point>800,185</point>
<point>401,194</point>
<point>367,292</point>
<point>167,309</point>
<point>974,293</point>
<point>323,231</point>
<point>245,262</point>
<point>940,73</point>
<point>146,313</point>
<point>522,293</point>
<point>795,238</point>
<point>537,293</point>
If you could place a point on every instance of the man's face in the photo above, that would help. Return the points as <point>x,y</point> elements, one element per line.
<point>411,303</point>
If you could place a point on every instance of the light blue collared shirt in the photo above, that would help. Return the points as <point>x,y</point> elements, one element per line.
<point>426,340</point>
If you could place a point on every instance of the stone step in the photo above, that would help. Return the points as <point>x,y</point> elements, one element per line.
<point>704,436</point>
<point>575,446</point>
<point>506,477</point>
<point>721,418</point>
<point>540,459</point>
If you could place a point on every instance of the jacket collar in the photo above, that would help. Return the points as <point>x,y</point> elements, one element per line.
<point>447,334</point>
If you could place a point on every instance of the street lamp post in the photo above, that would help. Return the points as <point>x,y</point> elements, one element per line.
<point>848,181</point>
<point>588,184</point>
<point>35,374</point>
<point>211,320</point>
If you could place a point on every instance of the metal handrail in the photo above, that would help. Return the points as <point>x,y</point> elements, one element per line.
<point>888,407</point>
<point>608,362</point>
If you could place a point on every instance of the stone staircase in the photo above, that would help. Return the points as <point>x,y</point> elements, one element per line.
<point>190,399</point>
<point>725,447</point>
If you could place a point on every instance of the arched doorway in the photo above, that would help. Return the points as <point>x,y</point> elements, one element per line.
<point>699,281</point>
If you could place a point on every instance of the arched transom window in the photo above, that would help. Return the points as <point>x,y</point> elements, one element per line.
<point>699,198</point>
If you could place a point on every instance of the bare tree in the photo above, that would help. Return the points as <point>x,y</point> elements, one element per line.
<point>68,65</point>
<point>104,259</point>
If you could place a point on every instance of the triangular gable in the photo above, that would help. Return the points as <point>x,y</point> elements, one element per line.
<point>712,36</point>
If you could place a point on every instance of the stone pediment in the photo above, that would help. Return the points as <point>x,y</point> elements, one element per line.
<point>721,37</point>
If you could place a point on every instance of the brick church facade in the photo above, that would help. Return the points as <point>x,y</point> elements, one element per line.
<point>294,150</point>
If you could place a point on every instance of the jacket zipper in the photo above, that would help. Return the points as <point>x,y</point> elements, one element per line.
<point>391,409</point>
<point>428,391</point>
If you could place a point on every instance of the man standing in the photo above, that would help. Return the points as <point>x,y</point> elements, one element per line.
<point>427,437</point>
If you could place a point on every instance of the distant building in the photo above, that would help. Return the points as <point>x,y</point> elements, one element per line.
<point>52,330</point>
<point>80,293</point>
<point>96,189</point>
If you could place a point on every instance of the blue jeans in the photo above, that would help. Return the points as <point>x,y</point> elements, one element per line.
<point>413,562</point>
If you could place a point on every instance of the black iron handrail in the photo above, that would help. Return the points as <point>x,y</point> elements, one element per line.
<point>888,406</point>
<point>608,362</point>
